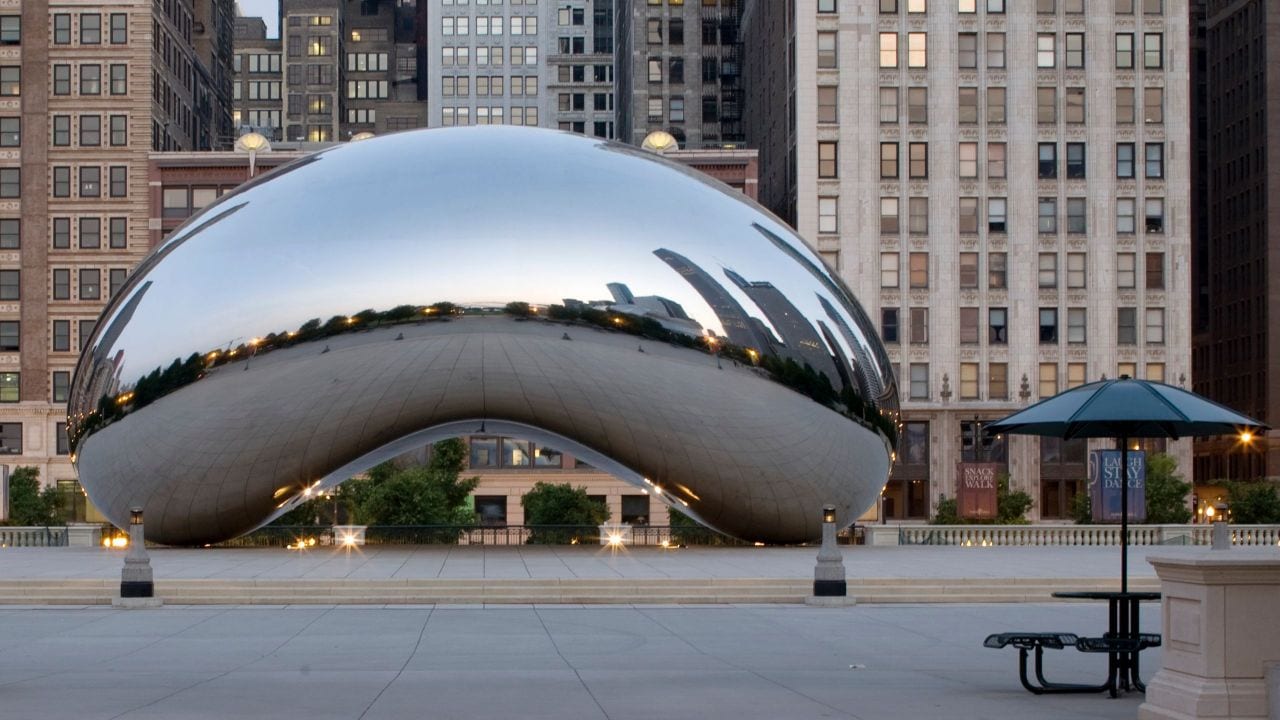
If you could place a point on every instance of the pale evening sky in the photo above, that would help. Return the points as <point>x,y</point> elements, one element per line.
<point>268,10</point>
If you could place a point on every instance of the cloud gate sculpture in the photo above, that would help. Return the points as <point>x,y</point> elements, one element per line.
<point>378,295</point>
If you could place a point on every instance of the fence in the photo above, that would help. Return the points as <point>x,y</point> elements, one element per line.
<point>1074,535</point>
<point>639,535</point>
<point>33,536</point>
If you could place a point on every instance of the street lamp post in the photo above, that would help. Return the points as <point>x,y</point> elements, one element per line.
<point>828,575</point>
<point>137,588</point>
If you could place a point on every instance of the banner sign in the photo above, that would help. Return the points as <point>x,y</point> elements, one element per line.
<point>1105,481</point>
<point>976,490</point>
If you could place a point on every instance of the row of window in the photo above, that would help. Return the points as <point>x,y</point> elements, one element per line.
<point>489,116</point>
<point>970,215</point>
<point>997,7</point>
<point>87,130</point>
<point>968,106</point>
<point>60,386</point>
<point>967,50</point>
<point>488,86</point>
<point>90,28</point>
<point>11,437</point>
<point>461,25</point>
<point>487,56</point>
<point>89,232</point>
<point>257,90</point>
<point>89,181</point>
<point>1047,330</point>
<point>366,62</point>
<point>1049,378</point>
<point>90,79</point>
<point>60,337</point>
<point>490,2</point>
<point>1047,268</point>
<point>257,62</point>
<point>89,288</point>
<point>1046,153</point>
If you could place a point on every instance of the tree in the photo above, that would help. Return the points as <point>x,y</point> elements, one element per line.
<point>1166,491</point>
<point>1082,508</point>
<point>549,504</point>
<point>1011,506</point>
<point>1254,502</point>
<point>430,495</point>
<point>28,504</point>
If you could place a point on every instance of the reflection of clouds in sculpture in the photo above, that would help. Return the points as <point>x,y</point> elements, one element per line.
<point>535,238</point>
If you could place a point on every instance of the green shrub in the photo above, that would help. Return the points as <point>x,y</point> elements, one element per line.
<point>561,504</point>
<point>1254,502</point>
<point>1166,491</point>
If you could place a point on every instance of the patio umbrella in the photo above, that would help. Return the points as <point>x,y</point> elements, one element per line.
<point>1125,409</point>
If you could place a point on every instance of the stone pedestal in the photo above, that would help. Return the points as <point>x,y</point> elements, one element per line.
<point>1221,631</point>
<point>828,574</point>
<point>882,535</point>
<point>84,535</point>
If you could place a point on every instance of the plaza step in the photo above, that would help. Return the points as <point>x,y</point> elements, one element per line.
<point>343,591</point>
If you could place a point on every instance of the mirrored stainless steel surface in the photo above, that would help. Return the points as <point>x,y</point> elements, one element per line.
<point>434,283</point>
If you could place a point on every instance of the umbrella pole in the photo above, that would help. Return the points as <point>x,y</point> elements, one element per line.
<point>1124,514</point>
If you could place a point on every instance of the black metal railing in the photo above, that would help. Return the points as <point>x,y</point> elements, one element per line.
<point>642,536</point>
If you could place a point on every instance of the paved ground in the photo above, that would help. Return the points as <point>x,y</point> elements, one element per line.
<point>563,662</point>
<point>455,562</point>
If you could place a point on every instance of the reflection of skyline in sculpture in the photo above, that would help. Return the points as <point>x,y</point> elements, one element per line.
<point>107,374</point>
<point>800,341</point>
<point>870,387</point>
<point>738,327</point>
<point>666,312</point>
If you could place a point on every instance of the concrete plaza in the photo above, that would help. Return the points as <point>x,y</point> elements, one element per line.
<point>566,662</point>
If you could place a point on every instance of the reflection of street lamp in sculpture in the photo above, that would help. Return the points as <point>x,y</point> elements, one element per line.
<point>253,143</point>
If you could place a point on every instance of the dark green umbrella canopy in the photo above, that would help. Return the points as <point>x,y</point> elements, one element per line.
<point>1126,408</point>
<point>1123,409</point>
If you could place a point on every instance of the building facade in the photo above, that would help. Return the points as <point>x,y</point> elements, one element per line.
<point>1239,255</point>
<point>679,70</point>
<point>312,35</point>
<point>258,88</point>
<point>87,90</point>
<point>1006,186</point>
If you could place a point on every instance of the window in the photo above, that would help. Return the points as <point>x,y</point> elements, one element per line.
<point>1048,385</point>
<point>968,215</point>
<point>1155,215</point>
<point>10,438</point>
<point>969,270</point>
<point>61,130</point>
<point>1076,375</point>
<point>968,50</point>
<point>918,157</point>
<point>827,103</point>
<point>85,327</point>
<point>886,6</point>
<point>654,31</point>
<point>888,160</point>
<point>120,29</point>
<point>1075,50</point>
<point>120,80</point>
<point>1125,213</point>
<point>919,326</point>
<point>61,235</point>
<point>1075,161</point>
<point>61,386</point>
<point>10,183</point>
<point>996,164</point>
<point>889,325</point>
<point>10,286</point>
<point>995,50</point>
<point>1155,160</point>
<point>119,130</point>
<point>1152,7</point>
<point>119,178</point>
<point>918,215</point>
<point>1153,51</point>
<point>10,233</point>
<point>828,215</point>
<point>968,105</point>
<point>889,275</point>
<point>1153,105</point>
<point>1126,271</point>
<point>1048,326</point>
<point>90,130</point>
<point>996,105</point>
<point>1155,372</point>
<point>966,7</point>
<point>10,132</point>
<point>61,29</point>
<point>90,79</point>
<point>61,79</point>
<point>968,381</point>
<point>997,215</point>
<point>968,160</point>
<point>1075,105</point>
<point>1076,270</point>
<point>1126,326</point>
<point>919,270</point>
<point>1124,106</point>
<point>1048,160</point>
<point>10,336</point>
<point>888,104</point>
<point>889,224</point>
<point>1046,50</point>
<point>676,107</point>
<point>1048,270</point>
<point>1048,215</point>
<point>1155,271</point>
<point>1124,51</point>
<point>997,271</point>
<point>919,381</point>
<point>1077,219</point>
<point>90,29</point>
<point>1045,7</point>
<point>61,181</point>
<point>1125,160</point>
<point>89,284</point>
<point>1046,105</point>
<point>888,50</point>
<point>918,105</point>
<point>917,50</point>
<point>827,59</point>
<point>998,381</point>
<point>969,327</point>
<point>119,233</point>
<point>998,326</point>
<point>828,160</point>
<point>11,81</point>
<point>61,335</point>
<point>90,233</point>
<point>1077,326</point>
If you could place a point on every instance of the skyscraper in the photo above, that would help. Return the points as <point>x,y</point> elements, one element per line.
<point>1004,186</point>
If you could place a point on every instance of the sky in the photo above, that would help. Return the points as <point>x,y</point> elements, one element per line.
<point>268,10</point>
